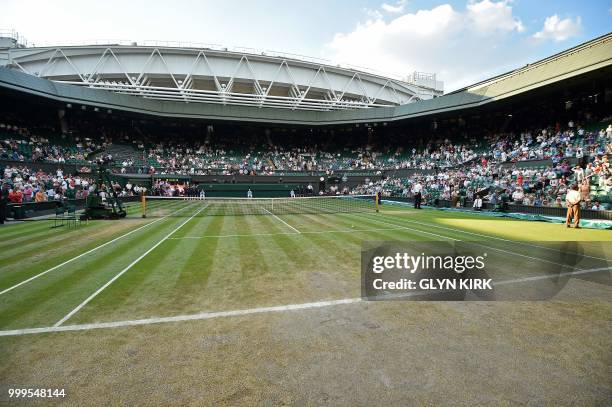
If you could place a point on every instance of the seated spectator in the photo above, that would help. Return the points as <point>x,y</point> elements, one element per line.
<point>40,196</point>
<point>15,196</point>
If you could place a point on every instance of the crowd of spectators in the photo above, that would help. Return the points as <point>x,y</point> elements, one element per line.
<point>19,144</point>
<point>27,185</point>
<point>446,169</point>
<point>499,179</point>
<point>142,153</point>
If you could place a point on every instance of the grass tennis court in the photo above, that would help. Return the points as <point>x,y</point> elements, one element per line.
<point>203,291</point>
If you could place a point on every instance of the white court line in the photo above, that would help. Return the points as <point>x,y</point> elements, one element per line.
<point>81,255</point>
<point>91,297</point>
<point>472,242</point>
<point>249,311</point>
<point>179,318</point>
<point>297,231</point>
<point>286,233</point>
<point>84,254</point>
<point>493,237</point>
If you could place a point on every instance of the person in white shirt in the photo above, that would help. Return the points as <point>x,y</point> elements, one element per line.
<point>416,190</point>
<point>579,172</point>
<point>249,193</point>
<point>477,203</point>
<point>572,200</point>
<point>292,194</point>
<point>202,194</point>
<point>518,195</point>
<point>596,206</point>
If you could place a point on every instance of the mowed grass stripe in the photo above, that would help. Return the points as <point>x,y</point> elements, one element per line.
<point>252,263</point>
<point>20,267</point>
<point>160,291</point>
<point>123,271</point>
<point>56,240</point>
<point>226,280</point>
<point>36,237</point>
<point>189,291</point>
<point>48,298</point>
<point>193,277</point>
<point>12,273</point>
<point>331,257</point>
<point>289,245</point>
<point>363,228</point>
<point>141,290</point>
<point>212,257</point>
<point>58,286</point>
<point>9,233</point>
<point>169,207</point>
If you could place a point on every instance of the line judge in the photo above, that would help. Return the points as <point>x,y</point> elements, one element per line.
<point>572,199</point>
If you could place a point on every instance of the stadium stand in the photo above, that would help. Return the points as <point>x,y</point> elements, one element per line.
<point>526,145</point>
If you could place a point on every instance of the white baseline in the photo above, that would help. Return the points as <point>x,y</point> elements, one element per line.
<point>250,311</point>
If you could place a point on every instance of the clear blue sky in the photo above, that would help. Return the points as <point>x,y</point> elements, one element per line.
<point>461,41</point>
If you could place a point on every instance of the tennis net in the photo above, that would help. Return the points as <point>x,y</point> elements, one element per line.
<point>157,206</point>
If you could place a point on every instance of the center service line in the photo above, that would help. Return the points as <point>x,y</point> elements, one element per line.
<point>91,297</point>
<point>296,231</point>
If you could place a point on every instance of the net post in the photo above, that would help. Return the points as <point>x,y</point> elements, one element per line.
<point>377,198</point>
<point>143,205</point>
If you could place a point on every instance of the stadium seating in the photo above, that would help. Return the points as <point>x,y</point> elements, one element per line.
<point>532,167</point>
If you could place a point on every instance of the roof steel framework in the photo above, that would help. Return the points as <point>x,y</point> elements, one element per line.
<point>217,77</point>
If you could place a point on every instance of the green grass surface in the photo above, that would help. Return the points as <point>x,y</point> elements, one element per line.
<point>397,352</point>
<point>214,263</point>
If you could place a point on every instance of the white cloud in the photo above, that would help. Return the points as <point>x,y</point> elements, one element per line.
<point>489,16</point>
<point>460,46</point>
<point>397,8</point>
<point>559,30</point>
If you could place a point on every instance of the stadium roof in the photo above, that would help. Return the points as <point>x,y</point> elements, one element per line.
<point>588,57</point>
<point>211,74</point>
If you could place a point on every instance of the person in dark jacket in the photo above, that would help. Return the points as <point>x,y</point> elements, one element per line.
<point>4,199</point>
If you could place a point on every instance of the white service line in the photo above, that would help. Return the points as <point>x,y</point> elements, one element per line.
<point>91,297</point>
<point>285,233</point>
<point>296,231</point>
<point>494,237</point>
<point>84,254</point>
<point>249,311</point>
<point>472,242</point>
